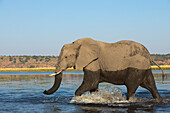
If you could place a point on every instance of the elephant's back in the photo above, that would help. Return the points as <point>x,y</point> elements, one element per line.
<point>124,54</point>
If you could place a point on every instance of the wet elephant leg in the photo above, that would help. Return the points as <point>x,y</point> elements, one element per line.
<point>149,83</point>
<point>132,82</point>
<point>90,82</point>
<point>86,86</point>
<point>131,89</point>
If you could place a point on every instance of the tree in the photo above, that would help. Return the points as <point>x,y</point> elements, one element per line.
<point>47,59</point>
<point>10,58</point>
<point>42,56</point>
<point>31,66</point>
<point>27,58</point>
<point>34,57</point>
<point>20,59</point>
<point>156,59</point>
<point>161,64</point>
<point>14,60</point>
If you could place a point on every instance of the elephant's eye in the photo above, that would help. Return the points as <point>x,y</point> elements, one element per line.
<point>65,56</point>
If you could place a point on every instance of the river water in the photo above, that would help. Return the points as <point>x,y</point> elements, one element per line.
<point>24,94</point>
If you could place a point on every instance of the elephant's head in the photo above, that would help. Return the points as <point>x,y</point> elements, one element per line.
<point>78,54</point>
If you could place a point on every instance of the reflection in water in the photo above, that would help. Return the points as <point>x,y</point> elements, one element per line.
<point>20,93</point>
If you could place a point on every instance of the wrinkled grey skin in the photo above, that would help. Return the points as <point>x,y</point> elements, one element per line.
<point>122,63</point>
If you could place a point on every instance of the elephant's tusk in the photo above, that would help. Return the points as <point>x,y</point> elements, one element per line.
<point>58,72</point>
<point>53,74</point>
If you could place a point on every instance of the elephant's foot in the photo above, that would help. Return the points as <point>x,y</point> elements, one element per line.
<point>131,89</point>
<point>132,99</point>
<point>78,93</point>
<point>94,90</point>
<point>159,99</point>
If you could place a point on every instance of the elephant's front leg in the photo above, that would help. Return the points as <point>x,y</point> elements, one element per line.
<point>132,82</point>
<point>90,82</point>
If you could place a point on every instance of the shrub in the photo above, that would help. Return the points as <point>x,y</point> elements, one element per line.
<point>31,66</point>
<point>10,58</point>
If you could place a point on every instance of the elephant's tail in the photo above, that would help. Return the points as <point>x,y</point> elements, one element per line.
<point>151,60</point>
<point>163,74</point>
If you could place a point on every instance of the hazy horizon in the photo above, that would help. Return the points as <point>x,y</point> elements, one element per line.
<point>42,27</point>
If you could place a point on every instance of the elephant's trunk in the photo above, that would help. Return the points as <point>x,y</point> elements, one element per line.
<point>56,85</point>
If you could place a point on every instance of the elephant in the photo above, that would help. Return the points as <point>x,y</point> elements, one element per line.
<point>121,63</point>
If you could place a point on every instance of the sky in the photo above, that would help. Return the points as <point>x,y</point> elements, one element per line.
<point>42,27</point>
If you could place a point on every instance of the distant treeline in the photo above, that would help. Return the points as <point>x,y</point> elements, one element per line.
<point>51,61</point>
<point>24,59</point>
<point>27,61</point>
<point>161,56</point>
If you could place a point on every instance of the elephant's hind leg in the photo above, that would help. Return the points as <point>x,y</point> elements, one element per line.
<point>149,83</point>
<point>90,82</point>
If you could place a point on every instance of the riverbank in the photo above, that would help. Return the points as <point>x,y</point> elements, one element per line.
<point>52,69</point>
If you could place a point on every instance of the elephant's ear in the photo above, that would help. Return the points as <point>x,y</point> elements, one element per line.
<point>87,54</point>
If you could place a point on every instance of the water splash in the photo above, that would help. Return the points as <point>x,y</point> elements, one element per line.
<point>106,95</point>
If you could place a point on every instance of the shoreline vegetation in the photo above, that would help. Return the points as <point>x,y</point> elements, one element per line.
<point>52,69</point>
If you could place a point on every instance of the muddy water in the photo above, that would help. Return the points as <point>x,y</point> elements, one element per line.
<point>23,93</point>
